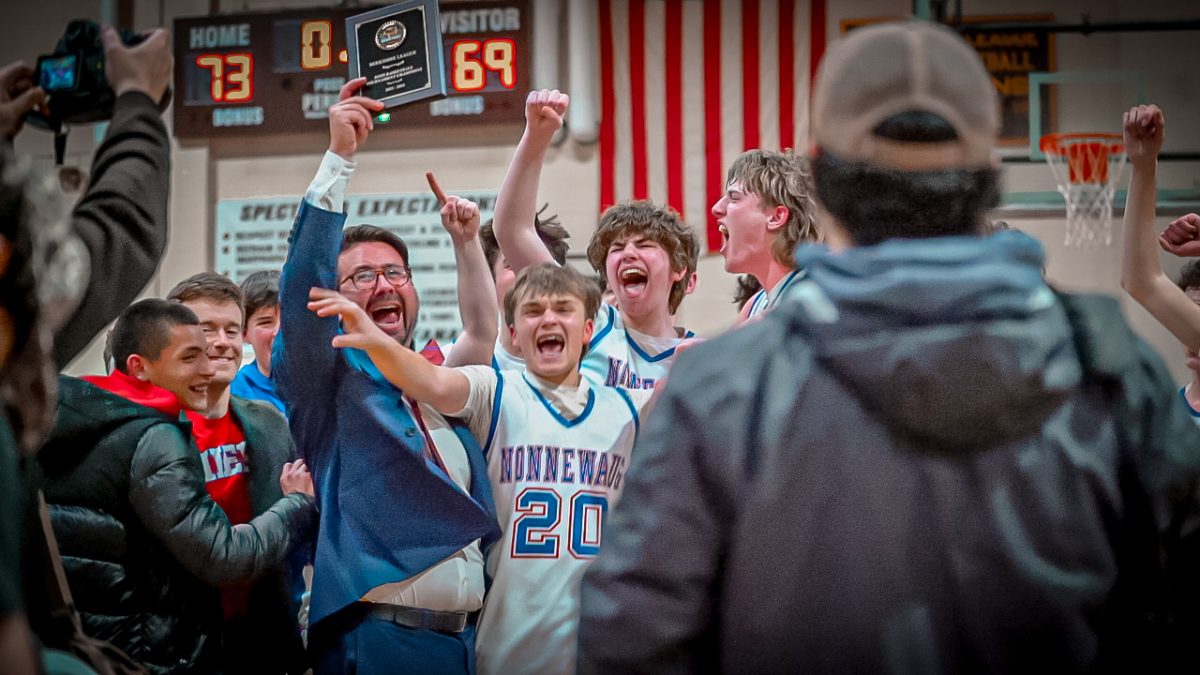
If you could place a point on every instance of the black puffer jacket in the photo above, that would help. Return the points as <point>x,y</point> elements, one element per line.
<point>143,544</point>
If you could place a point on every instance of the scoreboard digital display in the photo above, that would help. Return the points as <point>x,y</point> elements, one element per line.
<point>278,72</point>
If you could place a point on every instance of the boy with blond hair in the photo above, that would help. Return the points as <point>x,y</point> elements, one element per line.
<point>767,209</point>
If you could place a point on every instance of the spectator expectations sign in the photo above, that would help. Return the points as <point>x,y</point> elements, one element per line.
<point>252,235</point>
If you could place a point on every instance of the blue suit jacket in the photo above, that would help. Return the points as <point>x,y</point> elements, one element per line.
<point>387,513</point>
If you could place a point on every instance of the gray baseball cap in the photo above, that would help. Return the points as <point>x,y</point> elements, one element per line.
<point>879,71</point>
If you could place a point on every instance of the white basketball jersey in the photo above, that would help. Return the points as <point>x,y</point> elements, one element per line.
<point>503,361</point>
<point>553,480</point>
<point>615,359</point>
<point>763,301</point>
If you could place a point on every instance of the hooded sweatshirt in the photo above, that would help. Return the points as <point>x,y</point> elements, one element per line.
<point>924,460</point>
<point>138,391</point>
<point>957,342</point>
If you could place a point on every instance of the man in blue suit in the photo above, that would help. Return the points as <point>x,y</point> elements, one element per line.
<point>406,511</point>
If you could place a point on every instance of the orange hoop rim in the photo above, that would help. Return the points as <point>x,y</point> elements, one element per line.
<point>1056,143</point>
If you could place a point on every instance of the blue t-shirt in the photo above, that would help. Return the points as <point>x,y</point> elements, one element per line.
<point>251,384</point>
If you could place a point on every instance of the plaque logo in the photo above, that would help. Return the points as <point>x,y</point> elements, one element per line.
<point>390,35</point>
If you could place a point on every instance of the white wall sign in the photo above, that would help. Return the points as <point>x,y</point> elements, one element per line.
<point>252,235</point>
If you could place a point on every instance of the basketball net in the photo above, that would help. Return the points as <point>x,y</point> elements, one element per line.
<point>1086,167</point>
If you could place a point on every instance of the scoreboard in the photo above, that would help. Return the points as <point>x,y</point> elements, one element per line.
<point>278,72</point>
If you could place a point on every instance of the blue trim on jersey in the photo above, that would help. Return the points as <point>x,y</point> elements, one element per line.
<point>607,329</point>
<point>642,353</point>
<point>587,409</point>
<point>487,445</point>
<point>754,308</point>
<point>778,291</point>
<point>1192,411</point>
<point>495,363</point>
<point>637,423</point>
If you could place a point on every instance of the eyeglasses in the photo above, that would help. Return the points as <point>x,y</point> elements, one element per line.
<point>366,280</point>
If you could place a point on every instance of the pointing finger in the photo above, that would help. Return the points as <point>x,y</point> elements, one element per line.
<point>435,187</point>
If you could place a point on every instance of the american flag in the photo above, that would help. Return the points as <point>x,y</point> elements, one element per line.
<point>688,85</point>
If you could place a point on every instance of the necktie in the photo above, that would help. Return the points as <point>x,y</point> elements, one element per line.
<point>432,353</point>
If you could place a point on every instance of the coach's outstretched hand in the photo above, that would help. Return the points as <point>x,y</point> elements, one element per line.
<point>1182,236</point>
<point>351,119</point>
<point>544,110</point>
<point>359,331</point>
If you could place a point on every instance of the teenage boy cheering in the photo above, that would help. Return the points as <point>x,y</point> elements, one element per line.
<point>644,252</point>
<point>767,209</point>
<point>243,444</point>
<point>557,450</point>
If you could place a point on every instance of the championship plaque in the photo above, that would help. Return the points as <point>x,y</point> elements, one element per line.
<point>399,50</point>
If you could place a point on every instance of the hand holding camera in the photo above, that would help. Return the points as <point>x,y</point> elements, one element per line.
<point>91,66</point>
<point>18,96</point>
<point>144,67</point>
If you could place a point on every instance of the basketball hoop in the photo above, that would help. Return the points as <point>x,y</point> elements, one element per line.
<point>1086,167</point>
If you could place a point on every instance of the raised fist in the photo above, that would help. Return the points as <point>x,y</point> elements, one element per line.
<point>1182,236</point>
<point>544,110</point>
<point>1143,126</point>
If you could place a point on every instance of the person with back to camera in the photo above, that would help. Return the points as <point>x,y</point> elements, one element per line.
<point>962,469</point>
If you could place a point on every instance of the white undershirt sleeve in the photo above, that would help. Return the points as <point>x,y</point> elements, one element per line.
<point>328,187</point>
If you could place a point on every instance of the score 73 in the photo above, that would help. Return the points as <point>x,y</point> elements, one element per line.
<point>469,72</point>
<point>231,76</point>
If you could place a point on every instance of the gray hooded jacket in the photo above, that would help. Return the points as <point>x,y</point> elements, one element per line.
<point>924,461</point>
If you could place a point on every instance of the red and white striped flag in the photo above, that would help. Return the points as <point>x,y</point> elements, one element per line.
<point>688,85</point>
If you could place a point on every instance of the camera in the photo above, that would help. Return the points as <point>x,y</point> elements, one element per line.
<point>73,77</point>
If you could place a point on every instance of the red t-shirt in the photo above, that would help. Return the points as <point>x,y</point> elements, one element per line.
<point>222,447</point>
<point>223,452</point>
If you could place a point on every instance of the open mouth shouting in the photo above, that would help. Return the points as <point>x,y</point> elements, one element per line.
<point>551,345</point>
<point>388,314</point>
<point>724,235</point>
<point>633,280</point>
